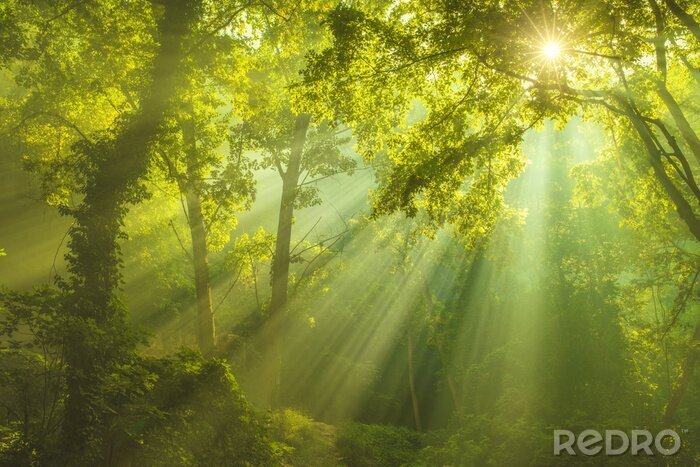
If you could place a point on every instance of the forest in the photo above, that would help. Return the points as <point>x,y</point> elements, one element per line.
<point>349,233</point>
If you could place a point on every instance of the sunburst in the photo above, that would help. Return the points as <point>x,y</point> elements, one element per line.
<point>551,50</point>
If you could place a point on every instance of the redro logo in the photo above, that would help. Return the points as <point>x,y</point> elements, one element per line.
<point>590,442</point>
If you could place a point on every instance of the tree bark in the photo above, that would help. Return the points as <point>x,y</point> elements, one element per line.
<point>660,41</point>
<point>290,181</point>
<point>206,330</point>
<point>451,385</point>
<point>685,211</point>
<point>411,378</point>
<point>687,20</point>
<point>280,263</point>
<point>686,375</point>
<point>681,122</point>
<point>99,339</point>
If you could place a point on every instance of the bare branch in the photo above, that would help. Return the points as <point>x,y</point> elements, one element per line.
<point>305,235</point>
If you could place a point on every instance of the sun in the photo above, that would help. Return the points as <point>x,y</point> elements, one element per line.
<point>551,50</point>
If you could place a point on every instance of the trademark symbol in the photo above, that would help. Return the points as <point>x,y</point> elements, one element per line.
<point>685,431</point>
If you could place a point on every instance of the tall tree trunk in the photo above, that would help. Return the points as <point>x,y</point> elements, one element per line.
<point>99,339</point>
<point>687,369</point>
<point>290,180</point>
<point>451,385</point>
<point>679,117</point>
<point>280,262</point>
<point>206,330</point>
<point>411,378</point>
<point>687,20</point>
<point>685,211</point>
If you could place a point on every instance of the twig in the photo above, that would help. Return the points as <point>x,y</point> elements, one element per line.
<point>55,256</point>
<point>240,270</point>
<point>305,235</point>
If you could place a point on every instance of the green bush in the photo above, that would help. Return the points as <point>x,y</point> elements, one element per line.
<point>488,441</point>
<point>377,445</point>
<point>309,442</point>
<point>193,413</point>
<point>15,450</point>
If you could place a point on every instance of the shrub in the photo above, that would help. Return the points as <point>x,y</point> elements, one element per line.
<point>309,442</point>
<point>195,414</point>
<point>377,445</point>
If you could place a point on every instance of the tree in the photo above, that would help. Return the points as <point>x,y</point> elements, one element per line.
<point>100,340</point>
<point>48,117</point>
<point>67,91</point>
<point>32,373</point>
<point>301,148</point>
<point>213,187</point>
<point>486,70</point>
<point>102,163</point>
<point>659,303</point>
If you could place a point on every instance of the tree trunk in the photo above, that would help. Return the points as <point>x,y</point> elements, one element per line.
<point>280,262</point>
<point>684,18</point>
<point>685,211</point>
<point>99,339</point>
<point>290,180</point>
<point>684,380</point>
<point>681,122</point>
<point>451,385</point>
<point>411,380</point>
<point>206,331</point>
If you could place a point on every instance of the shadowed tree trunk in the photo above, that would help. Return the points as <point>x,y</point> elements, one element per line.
<point>451,386</point>
<point>686,375</point>
<point>685,211</point>
<point>206,330</point>
<point>687,20</point>
<point>411,377</point>
<point>681,121</point>
<point>280,262</point>
<point>290,182</point>
<point>99,339</point>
